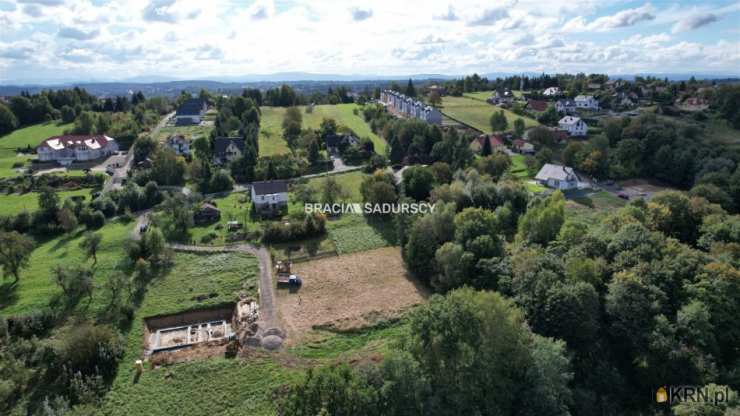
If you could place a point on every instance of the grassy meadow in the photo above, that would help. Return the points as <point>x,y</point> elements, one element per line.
<point>35,288</point>
<point>12,204</point>
<point>271,137</point>
<point>235,206</point>
<point>483,95</point>
<point>209,386</point>
<point>190,132</point>
<point>478,114</point>
<point>350,183</point>
<point>27,136</point>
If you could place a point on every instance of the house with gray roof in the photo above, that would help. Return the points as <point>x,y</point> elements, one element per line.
<point>270,197</point>
<point>557,177</point>
<point>227,149</point>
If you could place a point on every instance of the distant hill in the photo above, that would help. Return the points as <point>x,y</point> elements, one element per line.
<point>304,82</point>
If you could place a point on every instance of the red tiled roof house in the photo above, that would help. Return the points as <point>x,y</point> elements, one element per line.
<point>75,148</point>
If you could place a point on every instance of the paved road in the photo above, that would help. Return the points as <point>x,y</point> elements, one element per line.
<point>119,174</point>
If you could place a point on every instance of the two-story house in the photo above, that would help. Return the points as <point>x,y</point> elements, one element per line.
<point>270,197</point>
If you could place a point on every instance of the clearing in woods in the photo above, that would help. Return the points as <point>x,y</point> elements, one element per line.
<point>348,292</point>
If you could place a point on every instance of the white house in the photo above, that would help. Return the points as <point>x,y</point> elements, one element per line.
<point>587,102</point>
<point>179,144</point>
<point>73,148</point>
<point>557,177</point>
<point>270,197</point>
<point>566,106</point>
<point>551,92</point>
<point>573,125</point>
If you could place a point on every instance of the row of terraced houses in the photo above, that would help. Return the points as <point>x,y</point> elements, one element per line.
<point>408,107</point>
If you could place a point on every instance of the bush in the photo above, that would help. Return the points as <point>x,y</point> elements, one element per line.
<point>33,324</point>
<point>91,350</point>
<point>92,219</point>
<point>311,226</point>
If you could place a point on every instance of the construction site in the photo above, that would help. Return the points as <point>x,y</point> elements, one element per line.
<point>203,332</point>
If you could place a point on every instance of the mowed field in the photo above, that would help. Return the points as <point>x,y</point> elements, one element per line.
<point>478,113</point>
<point>350,183</point>
<point>271,137</point>
<point>348,292</point>
<point>27,136</point>
<point>483,95</point>
<point>12,204</point>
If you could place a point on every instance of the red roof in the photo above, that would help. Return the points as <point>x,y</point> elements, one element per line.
<point>538,105</point>
<point>98,141</point>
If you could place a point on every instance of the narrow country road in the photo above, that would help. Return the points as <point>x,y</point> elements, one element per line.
<point>119,174</point>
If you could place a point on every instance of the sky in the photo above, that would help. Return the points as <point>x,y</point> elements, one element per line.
<point>100,40</point>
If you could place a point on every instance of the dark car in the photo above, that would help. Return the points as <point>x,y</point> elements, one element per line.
<point>623,195</point>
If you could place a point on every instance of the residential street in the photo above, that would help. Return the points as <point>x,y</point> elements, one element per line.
<point>119,174</point>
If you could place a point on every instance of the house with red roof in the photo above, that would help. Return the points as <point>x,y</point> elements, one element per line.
<point>496,141</point>
<point>76,148</point>
<point>537,105</point>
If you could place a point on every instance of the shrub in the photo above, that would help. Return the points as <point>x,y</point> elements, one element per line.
<point>91,350</point>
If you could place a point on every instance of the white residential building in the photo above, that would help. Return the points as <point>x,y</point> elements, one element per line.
<point>587,102</point>
<point>408,107</point>
<point>270,197</point>
<point>73,148</point>
<point>552,92</point>
<point>557,177</point>
<point>573,125</point>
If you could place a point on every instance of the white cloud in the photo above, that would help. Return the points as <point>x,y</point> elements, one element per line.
<point>168,11</point>
<point>489,17</point>
<point>449,15</point>
<point>43,2</point>
<point>694,22</point>
<point>186,39</point>
<point>624,18</point>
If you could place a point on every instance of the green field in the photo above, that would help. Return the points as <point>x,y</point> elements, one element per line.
<point>234,207</point>
<point>601,200</point>
<point>271,141</point>
<point>28,136</point>
<point>12,204</point>
<point>350,183</point>
<point>478,114</point>
<point>483,95</point>
<point>351,232</point>
<point>35,289</point>
<point>209,386</point>
<point>518,168</point>
<point>190,132</point>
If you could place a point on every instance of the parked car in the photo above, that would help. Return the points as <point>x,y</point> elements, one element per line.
<point>623,195</point>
